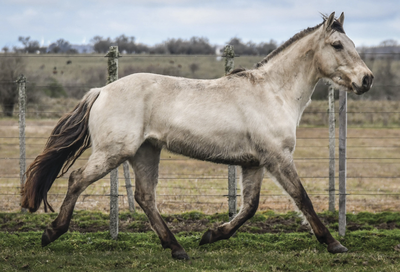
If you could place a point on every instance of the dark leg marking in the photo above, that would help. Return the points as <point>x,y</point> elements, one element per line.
<point>145,164</point>
<point>79,180</point>
<point>251,185</point>
<point>287,176</point>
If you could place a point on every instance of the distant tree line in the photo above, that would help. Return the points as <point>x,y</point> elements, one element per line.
<point>32,46</point>
<point>128,45</point>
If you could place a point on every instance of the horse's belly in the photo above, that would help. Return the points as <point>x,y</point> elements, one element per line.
<point>238,151</point>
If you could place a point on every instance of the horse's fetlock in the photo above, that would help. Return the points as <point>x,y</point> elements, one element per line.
<point>165,244</point>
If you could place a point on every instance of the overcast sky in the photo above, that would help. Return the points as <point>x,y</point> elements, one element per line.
<point>367,22</point>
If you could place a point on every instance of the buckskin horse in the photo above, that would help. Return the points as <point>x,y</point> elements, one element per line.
<point>247,118</point>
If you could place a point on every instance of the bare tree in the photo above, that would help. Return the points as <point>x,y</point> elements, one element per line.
<point>101,45</point>
<point>11,66</point>
<point>61,46</point>
<point>251,48</point>
<point>30,46</point>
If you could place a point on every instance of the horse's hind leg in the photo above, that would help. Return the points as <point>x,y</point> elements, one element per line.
<point>145,165</point>
<point>97,166</point>
<point>286,174</point>
<point>251,186</point>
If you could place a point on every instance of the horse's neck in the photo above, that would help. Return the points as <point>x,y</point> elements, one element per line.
<point>292,73</point>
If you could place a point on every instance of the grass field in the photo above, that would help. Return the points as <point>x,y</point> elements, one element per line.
<point>371,246</point>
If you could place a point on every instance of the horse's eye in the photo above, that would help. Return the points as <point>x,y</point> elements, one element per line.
<point>337,45</point>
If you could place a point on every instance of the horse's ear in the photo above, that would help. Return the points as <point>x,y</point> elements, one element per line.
<point>341,18</point>
<point>329,21</point>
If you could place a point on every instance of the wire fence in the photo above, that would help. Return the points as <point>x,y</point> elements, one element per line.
<point>311,158</point>
<point>373,178</point>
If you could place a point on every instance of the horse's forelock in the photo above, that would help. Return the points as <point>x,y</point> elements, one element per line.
<point>336,25</point>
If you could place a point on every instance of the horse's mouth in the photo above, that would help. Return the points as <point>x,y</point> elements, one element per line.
<point>358,90</point>
<point>341,84</point>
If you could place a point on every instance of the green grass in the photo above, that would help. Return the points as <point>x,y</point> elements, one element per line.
<point>369,251</point>
<point>370,248</point>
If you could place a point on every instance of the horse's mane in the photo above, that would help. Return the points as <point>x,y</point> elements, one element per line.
<point>337,26</point>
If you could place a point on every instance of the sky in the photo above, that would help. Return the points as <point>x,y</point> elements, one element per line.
<point>367,22</point>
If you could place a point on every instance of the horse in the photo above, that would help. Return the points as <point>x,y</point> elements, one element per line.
<point>247,118</point>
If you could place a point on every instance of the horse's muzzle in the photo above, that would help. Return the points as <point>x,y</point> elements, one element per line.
<point>366,85</point>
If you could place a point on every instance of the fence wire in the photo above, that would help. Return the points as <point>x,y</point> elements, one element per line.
<point>373,161</point>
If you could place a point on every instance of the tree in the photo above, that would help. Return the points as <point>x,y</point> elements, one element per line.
<point>101,45</point>
<point>387,43</point>
<point>61,46</point>
<point>126,44</point>
<point>29,45</point>
<point>10,67</point>
<point>251,48</point>
<point>196,45</point>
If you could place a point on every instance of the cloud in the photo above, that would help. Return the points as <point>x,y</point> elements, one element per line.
<point>152,21</point>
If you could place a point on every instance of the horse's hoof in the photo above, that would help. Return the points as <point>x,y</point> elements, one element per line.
<point>206,239</point>
<point>180,255</point>
<point>336,247</point>
<point>45,238</point>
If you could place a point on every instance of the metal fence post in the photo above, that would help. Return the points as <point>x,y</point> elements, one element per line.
<point>21,81</point>
<point>229,55</point>
<point>332,135</point>
<point>128,184</point>
<point>342,160</point>
<point>112,63</point>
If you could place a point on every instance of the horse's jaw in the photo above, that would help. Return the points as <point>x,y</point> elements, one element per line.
<point>338,84</point>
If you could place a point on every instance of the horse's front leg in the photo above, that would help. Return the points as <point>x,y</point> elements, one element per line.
<point>251,185</point>
<point>285,173</point>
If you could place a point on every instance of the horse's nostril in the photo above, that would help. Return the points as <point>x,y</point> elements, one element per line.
<point>367,81</point>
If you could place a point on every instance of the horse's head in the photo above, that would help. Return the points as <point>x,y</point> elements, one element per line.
<point>338,61</point>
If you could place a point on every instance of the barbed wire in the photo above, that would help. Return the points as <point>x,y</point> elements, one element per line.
<point>100,86</point>
<point>351,160</point>
<point>102,55</point>
<point>190,159</point>
<point>306,112</point>
<point>298,138</point>
<point>211,195</point>
<point>297,146</point>
<point>238,178</point>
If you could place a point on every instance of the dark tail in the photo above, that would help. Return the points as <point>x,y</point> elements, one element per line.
<point>69,139</point>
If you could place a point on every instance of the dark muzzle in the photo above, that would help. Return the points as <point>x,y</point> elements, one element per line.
<point>366,84</point>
